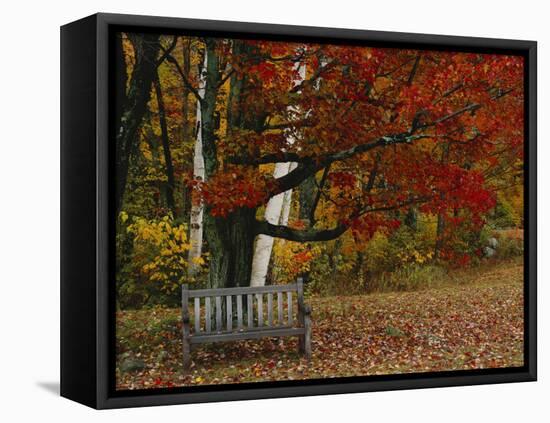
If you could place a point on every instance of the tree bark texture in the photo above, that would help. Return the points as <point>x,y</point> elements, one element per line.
<point>134,106</point>
<point>199,174</point>
<point>169,190</point>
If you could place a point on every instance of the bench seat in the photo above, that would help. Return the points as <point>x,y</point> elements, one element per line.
<point>254,333</point>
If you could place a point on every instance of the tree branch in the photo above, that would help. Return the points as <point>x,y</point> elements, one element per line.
<point>186,82</point>
<point>289,57</point>
<point>312,235</point>
<point>414,70</point>
<point>501,93</point>
<point>450,91</point>
<point>388,73</point>
<point>373,173</point>
<point>167,51</point>
<point>318,195</point>
<point>226,77</point>
<point>284,125</point>
<point>322,161</point>
<point>279,157</point>
<point>316,75</point>
<point>308,166</point>
<point>469,108</point>
<point>300,235</point>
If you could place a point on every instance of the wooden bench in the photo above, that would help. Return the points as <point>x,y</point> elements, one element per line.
<point>212,304</point>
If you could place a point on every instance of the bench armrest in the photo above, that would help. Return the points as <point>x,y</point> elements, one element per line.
<point>307,309</point>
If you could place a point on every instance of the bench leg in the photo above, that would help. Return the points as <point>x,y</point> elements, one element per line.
<point>186,355</point>
<point>185,326</point>
<point>301,344</point>
<point>304,341</point>
<point>307,337</point>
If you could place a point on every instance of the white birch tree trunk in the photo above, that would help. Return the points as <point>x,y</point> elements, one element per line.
<point>264,243</point>
<point>277,212</point>
<point>287,200</point>
<point>197,209</point>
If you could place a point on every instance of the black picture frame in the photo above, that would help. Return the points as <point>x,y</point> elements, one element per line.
<point>87,307</point>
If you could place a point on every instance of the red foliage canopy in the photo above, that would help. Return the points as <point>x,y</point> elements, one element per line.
<point>397,127</point>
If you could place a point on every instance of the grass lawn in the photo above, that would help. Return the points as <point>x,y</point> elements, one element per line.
<point>472,320</point>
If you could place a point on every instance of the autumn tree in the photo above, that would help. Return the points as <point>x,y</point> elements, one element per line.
<point>387,134</point>
<point>375,129</point>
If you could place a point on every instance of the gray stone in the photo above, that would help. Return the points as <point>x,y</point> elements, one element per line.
<point>132,365</point>
<point>489,252</point>
<point>163,355</point>
<point>493,243</point>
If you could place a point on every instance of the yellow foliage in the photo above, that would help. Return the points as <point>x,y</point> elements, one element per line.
<point>163,248</point>
<point>292,259</point>
<point>123,216</point>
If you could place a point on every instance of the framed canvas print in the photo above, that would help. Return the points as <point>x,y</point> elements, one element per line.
<point>255,211</point>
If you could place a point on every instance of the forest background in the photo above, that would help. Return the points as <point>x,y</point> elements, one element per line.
<point>361,169</point>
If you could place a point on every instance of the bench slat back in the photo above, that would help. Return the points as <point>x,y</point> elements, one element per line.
<point>226,300</point>
<point>242,290</point>
<point>289,302</point>
<point>197,313</point>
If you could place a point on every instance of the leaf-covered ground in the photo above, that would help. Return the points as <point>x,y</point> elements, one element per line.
<point>475,321</point>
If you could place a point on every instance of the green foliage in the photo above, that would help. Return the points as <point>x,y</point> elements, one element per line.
<point>510,247</point>
<point>486,233</point>
<point>510,242</point>
<point>411,277</point>
<point>346,266</point>
<point>336,268</point>
<point>505,214</point>
<point>164,327</point>
<point>405,246</point>
<point>403,260</point>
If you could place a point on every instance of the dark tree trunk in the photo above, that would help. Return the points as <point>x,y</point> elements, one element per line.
<point>334,258</point>
<point>439,235</point>
<point>231,238</point>
<point>307,192</point>
<point>217,230</point>
<point>231,243</point>
<point>165,148</point>
<point>185,107</point>
<point>133,106</point>
<point>359,268</point>
<point>318,194</point>
<point>208,109</point>
<point>152,140</point>
<point>411,218</point>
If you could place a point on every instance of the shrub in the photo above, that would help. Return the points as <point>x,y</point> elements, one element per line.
<point>292,259</point>
<point>412,277</point>
<point>151,261</point>
<point>510,247</point>
<point>385,253</point>
<point>506,215</point>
